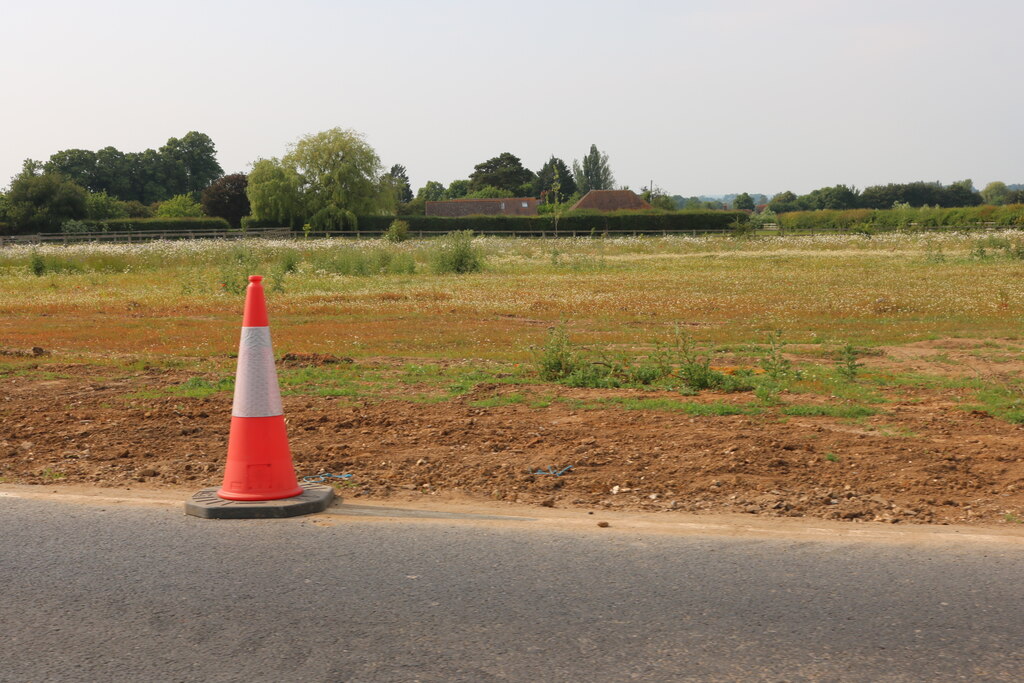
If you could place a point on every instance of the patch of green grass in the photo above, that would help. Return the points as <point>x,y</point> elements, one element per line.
<point>1003,402</point>
<point>1012,518</point>
<point>831,457</point>
<point>840,411</point>
<point>52,474</point>
<point>193,387</point>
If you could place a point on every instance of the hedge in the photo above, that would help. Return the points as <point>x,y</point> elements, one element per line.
<point>925,216</point>
<point>581,223</point>
<point>158,224</point>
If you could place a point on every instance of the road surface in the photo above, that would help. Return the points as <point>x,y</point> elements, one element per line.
<point>94,592</point>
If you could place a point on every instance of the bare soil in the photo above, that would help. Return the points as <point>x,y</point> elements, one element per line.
<point>926,460</point>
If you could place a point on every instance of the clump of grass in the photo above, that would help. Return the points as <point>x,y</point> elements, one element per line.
<point>455,253</point>
<point>831,457</point>
<point>674,365</point>
<point>557,359</point>
<point>364,263</point>
<point>37,264</point>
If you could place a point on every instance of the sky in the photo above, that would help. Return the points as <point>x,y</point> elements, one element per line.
<point>700,97</point>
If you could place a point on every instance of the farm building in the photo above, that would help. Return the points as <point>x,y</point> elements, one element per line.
<point>611,200</point>
<point>505,206</point>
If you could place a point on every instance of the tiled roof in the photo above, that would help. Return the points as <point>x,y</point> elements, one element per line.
<point>611,200</point>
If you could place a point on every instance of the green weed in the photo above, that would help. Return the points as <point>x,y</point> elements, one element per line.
<point>849,364</point>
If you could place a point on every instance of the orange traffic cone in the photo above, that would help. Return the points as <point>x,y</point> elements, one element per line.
<point>259,461</point>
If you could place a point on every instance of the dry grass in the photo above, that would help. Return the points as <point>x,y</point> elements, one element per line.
<point>171,299</point>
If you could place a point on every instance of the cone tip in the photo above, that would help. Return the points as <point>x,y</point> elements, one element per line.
<point>255,279</point>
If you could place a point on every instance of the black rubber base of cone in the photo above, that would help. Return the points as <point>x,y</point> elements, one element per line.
<point>206,503</point>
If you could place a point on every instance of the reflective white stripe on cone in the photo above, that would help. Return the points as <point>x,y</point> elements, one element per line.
<point>256,390</point>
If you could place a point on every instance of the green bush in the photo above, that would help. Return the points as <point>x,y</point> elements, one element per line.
<point>398,231</point>
<point>179,206</point>
<point>456,253</point>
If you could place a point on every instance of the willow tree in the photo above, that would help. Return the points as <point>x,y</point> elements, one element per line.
<point>275,194</point>
<point>334,168</point>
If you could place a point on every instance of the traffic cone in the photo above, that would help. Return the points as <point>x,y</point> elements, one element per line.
<point>259,463</point>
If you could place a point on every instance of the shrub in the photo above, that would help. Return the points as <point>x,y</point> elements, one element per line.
<point>456,253</point>
<point>179,206</point>
<point>398,231</point>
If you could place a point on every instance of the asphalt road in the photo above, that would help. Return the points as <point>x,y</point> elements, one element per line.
<point>148,594</point>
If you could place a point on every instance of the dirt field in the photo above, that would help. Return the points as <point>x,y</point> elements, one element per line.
<point>437,388</point>
<point>924,460</point>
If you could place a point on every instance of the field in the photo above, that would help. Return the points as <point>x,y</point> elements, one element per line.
<point>846,377</point>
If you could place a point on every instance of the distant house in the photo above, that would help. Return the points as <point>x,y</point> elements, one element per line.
<point>611,200</point>
<point>504,206</point>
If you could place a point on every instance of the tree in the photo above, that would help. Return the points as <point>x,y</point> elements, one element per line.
<point>490,192</point>
<point>275,194</point>
<point>78,165</point>
<point>197,157</point>
<point>784,202</point>
<point>433,191</point>
<point>995,193</point>
<point>44,202</point>
<point>593,173</point>
<point>226,198</point>
<point>112,174</point>
<point>962,193</point>
<point>335,167</point>
<point>457,189</point>
<point>400,180</point>
<point>179,206</point>
<point>504,171</point>
<point>554,173</point>
<point>743,202</point>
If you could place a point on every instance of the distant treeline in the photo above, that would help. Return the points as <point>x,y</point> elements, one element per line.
<point>958,194</point>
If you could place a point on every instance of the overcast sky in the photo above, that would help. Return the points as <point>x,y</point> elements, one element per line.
<point>700,97</point>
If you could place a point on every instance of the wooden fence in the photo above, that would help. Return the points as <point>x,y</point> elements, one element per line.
<point>287,233</point>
